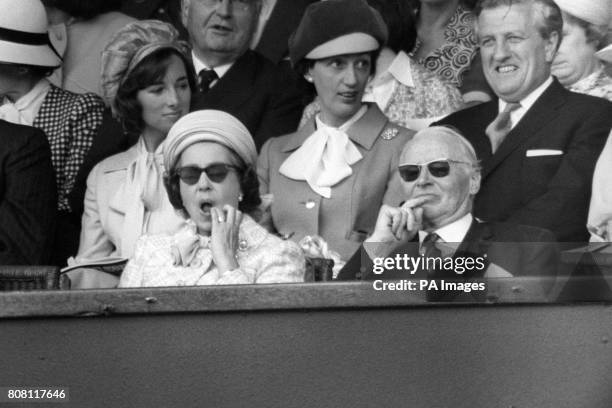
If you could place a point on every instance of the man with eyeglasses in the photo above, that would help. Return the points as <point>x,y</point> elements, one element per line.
<point>440,177</point>
<point>233,78</point>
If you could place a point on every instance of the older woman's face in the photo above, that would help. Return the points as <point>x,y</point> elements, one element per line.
<point>340,82</point>
<point>198,198</point>
<point>164,102</point>
<point>576,56</point>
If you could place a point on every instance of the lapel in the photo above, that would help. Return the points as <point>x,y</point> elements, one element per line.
<point>539,115</point>
<point>364,132</point>
<point>236,85</point>
<point>476,244</point>
<point>45,112</point>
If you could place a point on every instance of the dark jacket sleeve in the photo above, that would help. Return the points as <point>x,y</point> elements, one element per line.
<point>28,196</point>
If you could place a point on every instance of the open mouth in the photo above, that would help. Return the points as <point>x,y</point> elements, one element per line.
<point>349,94</point>
<point>205,207</point>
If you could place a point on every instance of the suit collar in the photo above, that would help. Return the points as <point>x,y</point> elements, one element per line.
<point>364,132</point>
<point>240,77</point>
<point>123,160</point>
<point>539,115</point>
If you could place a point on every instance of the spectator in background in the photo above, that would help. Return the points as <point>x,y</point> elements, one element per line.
<point>233,78</point>
<point>210,159</point>
<point>447,46</point>
<point>405,92</point>
<point>147,81</point>
<point>330,177</point>
<point>69,120</point>
<point>585,24</point>
<point>539,142</point>
<point>79,31</point>
<point>27,196</point>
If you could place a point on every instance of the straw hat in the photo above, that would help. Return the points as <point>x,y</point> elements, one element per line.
<point>596,12</point>
<point>24,38</point>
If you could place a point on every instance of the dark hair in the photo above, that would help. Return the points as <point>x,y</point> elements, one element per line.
<point>400,21</point>
<point>84,9</point>
<point>303,66</point>
<point>549,20</point>
<point>249,185</point>
<point>26,71</point>
<point>149,71</point>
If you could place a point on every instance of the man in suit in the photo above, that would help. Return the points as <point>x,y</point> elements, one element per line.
<point>440,177</point>
<point>27,196</point>
<point>538,143</point>
<point>233,78</point>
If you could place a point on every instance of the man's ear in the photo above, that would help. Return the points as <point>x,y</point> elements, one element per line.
<point>475,182</point>
<point>185,11</point>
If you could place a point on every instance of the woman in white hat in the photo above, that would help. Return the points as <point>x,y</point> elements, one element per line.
<point>585,24</point>
<point>331,176</point>
<point>70,121</point>
<point>210,159</point>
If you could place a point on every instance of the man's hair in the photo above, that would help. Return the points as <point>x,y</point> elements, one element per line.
<point>400,21</point>
<point>548,21</point>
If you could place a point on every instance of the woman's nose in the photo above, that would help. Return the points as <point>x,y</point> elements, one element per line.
<point>350,76</point>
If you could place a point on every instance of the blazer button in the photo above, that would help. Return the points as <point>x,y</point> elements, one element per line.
<point>310,204</point>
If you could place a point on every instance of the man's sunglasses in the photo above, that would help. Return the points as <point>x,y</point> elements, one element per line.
<point>437,168</point>
<point>216,173</point>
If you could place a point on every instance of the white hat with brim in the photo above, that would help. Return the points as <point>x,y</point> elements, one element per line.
<point>605,54</point>
<point>23,34</point>
<point>353,43</point>
<point>596,12</point>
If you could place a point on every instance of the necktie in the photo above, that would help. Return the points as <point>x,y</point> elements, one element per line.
<point>501,126</point>
<point>428,246</point>
<point>205,78</point>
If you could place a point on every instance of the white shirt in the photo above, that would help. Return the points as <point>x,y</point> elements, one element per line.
<point>220,70</point>
<point>26,108</point>
<point>526,103</point>
<point>454,232</point>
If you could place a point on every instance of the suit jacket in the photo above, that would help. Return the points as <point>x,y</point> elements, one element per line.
<point>517,249</point>
<point>27,196</point>
<point>105,209</point>
<point>349,216</point>
<point>541,173</point>
<point>263,96</point>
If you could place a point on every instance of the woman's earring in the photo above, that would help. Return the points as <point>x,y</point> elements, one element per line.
<point>240,197</point>
<point>308,78</point>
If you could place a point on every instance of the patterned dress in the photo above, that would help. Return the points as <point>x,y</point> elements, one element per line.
<point>263,258</point>
<point>597,84</point>
<point>454,58</point>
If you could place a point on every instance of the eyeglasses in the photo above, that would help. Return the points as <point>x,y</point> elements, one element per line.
<point>438,168</point>
<point>216,173</point>
<point>240,5</point>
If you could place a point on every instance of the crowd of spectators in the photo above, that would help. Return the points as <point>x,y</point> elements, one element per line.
<point>210,141</point>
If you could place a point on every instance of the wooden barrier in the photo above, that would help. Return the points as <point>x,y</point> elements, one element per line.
<point>308,345</point>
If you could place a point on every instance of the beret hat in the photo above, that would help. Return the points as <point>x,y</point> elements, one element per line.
<point>336,27</point>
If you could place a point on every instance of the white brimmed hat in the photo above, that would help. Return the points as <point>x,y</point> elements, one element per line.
<point>24,38</point>
<point>596,12</point>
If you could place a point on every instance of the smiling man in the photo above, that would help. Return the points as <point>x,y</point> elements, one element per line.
<point>233,78</point>
<point>538,142</point>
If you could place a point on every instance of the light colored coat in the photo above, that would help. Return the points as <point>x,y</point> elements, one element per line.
<point>349,216</point>
<point>105,207</point>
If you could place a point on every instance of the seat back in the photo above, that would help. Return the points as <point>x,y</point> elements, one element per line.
<point>29,277</point>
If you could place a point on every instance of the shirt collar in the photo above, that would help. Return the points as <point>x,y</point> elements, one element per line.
<point>454,232</point>
<point>530,99</point>
<point>400,69</point>
<point>199,65</point>
<point>344,127</point>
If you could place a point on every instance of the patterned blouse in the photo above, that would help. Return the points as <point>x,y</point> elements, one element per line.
<point>408,94</point>
<point>597,84</point>
<point>263,258</point>
<point>454,58</point>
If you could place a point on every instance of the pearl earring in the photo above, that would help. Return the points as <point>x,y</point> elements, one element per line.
<point>240,197</point>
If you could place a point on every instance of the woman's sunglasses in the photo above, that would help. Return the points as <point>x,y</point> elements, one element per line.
<point>438,168</point>
<point>215,172</point>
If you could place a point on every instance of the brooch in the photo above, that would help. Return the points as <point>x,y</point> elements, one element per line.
<point>390,133</point>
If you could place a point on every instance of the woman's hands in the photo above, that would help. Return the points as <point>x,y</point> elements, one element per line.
<point>224,236</point>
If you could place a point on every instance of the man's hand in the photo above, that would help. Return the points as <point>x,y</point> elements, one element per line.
<point>398,223</point>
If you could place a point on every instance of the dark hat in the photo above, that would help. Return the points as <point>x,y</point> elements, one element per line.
<point>337,27</point>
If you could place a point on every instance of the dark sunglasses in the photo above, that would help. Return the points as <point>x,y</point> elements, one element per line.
<point>438,168</point>
<point>216,173</point>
